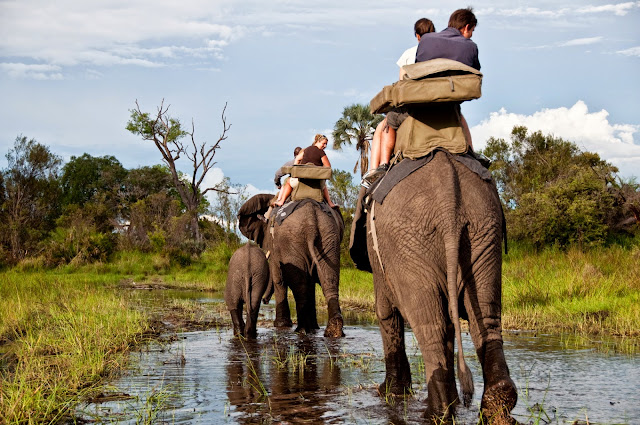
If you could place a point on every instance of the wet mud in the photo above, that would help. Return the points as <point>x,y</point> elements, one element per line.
<point>209,377</point>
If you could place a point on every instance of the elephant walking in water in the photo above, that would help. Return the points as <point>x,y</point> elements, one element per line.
<point>247,282</point>
<point>303,250</point>
<point>435,248</point>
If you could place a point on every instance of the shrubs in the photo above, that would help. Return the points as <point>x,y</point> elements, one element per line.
<point>555,194</point>
<point>77,238</point>
<point>572,209</point>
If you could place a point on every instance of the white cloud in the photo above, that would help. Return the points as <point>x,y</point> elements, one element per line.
<point>581,41</point>
<point>151,33</point>
<point>591,131</point>
<point>103,33</point>
<point>526,12</point>
<point>32,71</point>
<point>634,51</point>
<point>620,9</point>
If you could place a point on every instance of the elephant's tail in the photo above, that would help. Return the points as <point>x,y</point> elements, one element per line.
<point>452,250</point>
<point>248,275</point>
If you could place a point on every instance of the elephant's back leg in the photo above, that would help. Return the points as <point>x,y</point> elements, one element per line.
<point>412,255</point>
<point>398,372</point>
<point>283,314</point>
<point>233,299</point>
<point>303,291</point>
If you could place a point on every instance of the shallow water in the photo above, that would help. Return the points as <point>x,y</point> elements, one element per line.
<point>283,377</point>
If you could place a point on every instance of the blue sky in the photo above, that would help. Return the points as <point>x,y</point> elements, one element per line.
<point>71,70</point>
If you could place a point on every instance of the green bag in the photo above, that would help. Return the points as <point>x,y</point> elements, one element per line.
<point>308,171</point>
<point>308,188</point>
<point>434,81</point>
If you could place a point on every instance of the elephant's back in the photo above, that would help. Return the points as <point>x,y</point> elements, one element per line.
<point>310,220</point>
<point>441,196</point>
<point>257,259</point>
<point>443,186</point>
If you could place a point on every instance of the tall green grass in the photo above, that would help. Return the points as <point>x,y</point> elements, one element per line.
<point>596,292</point>
<point>59,335</point>
<point>63,330</point>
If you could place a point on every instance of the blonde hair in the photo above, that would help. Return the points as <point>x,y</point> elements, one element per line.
<point>319,137</point>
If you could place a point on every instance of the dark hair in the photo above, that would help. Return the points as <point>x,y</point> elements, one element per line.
<point>297,150</point>
<point>423,26</point>
<point>463,17</point>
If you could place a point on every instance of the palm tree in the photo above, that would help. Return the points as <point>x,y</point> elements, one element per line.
<point>356,127</point>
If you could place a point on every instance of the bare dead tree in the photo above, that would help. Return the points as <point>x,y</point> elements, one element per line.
<point>167,134</point>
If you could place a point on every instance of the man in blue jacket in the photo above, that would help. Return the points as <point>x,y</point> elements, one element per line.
<point>454,42</point>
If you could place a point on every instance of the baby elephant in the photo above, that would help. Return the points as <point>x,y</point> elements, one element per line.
<point>247,281</point>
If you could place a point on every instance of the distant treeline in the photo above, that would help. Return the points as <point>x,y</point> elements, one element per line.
<point>90,207</point>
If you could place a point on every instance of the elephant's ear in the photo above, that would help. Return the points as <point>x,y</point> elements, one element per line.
<point>251,217</point>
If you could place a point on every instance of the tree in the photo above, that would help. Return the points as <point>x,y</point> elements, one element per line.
<point>31,193</point>
<point>229,198</point>
<point>86,176</point>
<point>553,192</point>
<point>343,191</point>
<point>356,126</point>
<point>167,133</point>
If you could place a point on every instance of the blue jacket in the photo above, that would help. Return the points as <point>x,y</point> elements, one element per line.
<point>448,44</point>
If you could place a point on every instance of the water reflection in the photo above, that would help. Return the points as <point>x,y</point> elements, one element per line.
<point>283,377</point>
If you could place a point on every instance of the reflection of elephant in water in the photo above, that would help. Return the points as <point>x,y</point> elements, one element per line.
<point>266,385</point>
<point>247,281</point>
<point>299,393</point>
<point>245,381</point>
<point>303,250</point>
<point>435,246</point>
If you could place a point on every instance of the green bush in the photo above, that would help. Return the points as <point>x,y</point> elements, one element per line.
<point>572,209</point>
<point>555,194</point>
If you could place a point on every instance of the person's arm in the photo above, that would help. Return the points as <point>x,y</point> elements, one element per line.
<point>299,157</point>
<point>325,161</point>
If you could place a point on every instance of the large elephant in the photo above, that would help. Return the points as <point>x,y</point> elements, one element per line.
<point>435,247</point>
<point>303,250</point>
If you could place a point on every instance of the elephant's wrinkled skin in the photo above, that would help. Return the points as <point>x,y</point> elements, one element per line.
<point>303,250</point>
<point>439,235</point>
<point>247,282</point>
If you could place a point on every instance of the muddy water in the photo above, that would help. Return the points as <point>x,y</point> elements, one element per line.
<point>283,377</point>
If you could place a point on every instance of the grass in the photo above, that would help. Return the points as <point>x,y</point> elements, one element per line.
<point>593,293</point>
<point>59,336</point>
<point>64,331</point>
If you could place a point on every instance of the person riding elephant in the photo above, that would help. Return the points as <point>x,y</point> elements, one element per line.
<point>303,250</point>
<point>434,244</point>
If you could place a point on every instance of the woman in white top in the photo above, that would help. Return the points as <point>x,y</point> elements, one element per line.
<point>422,26</point>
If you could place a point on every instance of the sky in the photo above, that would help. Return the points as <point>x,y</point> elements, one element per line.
<point>72,70</point>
